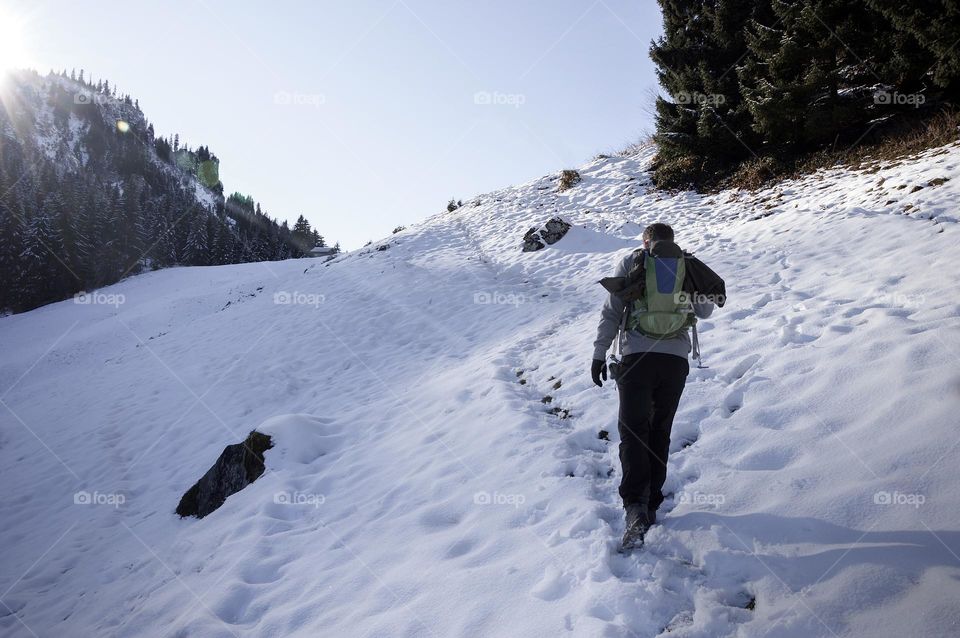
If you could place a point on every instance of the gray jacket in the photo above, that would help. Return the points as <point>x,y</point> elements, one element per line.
<point>633,341</point>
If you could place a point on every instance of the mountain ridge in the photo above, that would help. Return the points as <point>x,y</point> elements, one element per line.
<point>89,194</point>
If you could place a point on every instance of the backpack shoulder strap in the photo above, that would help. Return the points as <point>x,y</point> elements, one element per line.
<point>634,276</point>
<point>635,271</point>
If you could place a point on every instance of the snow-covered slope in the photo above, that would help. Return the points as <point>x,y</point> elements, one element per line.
<point>424,485</point>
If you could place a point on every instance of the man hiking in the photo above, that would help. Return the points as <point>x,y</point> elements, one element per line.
<point>655,297</point>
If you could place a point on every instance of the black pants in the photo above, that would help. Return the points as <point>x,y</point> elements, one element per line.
<point>650,388</point>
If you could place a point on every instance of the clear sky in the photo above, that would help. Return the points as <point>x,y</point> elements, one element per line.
<point>366,114</point>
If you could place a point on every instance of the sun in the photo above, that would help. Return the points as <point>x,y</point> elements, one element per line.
<point>13,49</point>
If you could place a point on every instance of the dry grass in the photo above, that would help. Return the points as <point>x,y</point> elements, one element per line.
<point>635,148</point>
<point>568,178</point>
<point>940,130</point>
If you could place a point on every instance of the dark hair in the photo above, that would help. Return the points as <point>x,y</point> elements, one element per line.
<point>657,232</point>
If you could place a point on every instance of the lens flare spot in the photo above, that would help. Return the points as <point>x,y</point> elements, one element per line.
<point>209,173</point>
<point>122,126</point>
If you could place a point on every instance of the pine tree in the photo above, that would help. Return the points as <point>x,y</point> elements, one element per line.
<point>929,31</point>
<point>11,243</point>
<point>85,227</point>
<point>221,250</point>
<point>70,243</point>
<point>109,264</point>
<point>810,77</point>
<point>41,274</point>
<point>302,235</point>
<point>703,125</point>
<point>161,253</point>
<point>197,250</point>
<point>130,249</point>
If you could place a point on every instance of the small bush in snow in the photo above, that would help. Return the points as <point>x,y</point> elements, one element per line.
<point>568,178</point>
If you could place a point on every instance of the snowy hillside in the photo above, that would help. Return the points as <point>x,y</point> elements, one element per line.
<point>438,469</point>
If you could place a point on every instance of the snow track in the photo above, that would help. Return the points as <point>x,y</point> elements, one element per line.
<point>439,469</point>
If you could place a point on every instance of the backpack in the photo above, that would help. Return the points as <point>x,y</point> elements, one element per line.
<point>660,308</point>
<point>658,293</point>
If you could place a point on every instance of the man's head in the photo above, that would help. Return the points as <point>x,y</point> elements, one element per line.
<point>656,232</point>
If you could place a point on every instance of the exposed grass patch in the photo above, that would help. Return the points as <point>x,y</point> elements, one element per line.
<point>907,140</point>
<point>884,145</point>
<point>568,178</point>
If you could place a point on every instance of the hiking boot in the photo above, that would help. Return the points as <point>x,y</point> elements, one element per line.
<point>633,512</point>
<point>637,526</point>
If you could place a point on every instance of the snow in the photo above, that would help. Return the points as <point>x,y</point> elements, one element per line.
<point>204,195</point>
<point>419,485</point>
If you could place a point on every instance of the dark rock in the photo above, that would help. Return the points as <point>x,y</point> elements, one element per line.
<point>550,233</point>
<point>554,230</point>
<point>531,241</point>
<point>239,465</point>
<point>383,246</point>
<point>603,435</point>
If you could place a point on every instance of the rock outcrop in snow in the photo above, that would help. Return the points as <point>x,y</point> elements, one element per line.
<point>550,233</point>
<point>238,466</point>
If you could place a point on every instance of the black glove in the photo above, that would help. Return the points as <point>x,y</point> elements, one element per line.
<point>597,370</point>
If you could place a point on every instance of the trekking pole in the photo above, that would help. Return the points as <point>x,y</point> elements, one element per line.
<point>696,348</point>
